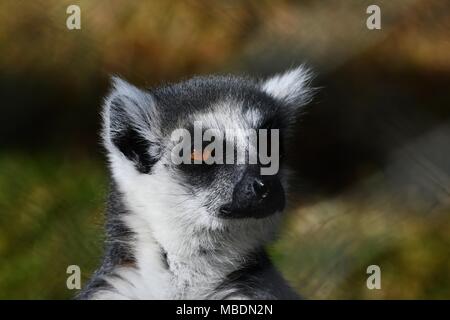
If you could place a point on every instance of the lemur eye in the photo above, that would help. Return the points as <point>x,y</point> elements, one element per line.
<point>199,155</point>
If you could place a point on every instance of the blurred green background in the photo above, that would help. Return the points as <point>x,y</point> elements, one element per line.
<point>371,156</point>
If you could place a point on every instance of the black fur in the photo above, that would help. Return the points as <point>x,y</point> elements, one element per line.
<point>258,280</point>
<point>127,138</point>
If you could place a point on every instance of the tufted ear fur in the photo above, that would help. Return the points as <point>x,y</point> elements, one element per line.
<point>291,87</point>
<point>130,125</point>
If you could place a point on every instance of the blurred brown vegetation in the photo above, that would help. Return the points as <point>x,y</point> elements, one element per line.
<point>372,156</point>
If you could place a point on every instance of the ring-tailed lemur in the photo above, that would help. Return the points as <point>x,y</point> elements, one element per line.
<point>193,231</point>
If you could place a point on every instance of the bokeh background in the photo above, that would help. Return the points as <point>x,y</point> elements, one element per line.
<point>371,155</point>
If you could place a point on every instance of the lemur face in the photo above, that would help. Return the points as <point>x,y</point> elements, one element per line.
<point>206,150</point>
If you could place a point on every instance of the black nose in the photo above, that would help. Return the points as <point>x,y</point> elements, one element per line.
<point>260,188</point>
<point>255,196</point>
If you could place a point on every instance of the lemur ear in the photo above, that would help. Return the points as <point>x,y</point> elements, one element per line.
<point>291,87</point>
<point>130,125</point>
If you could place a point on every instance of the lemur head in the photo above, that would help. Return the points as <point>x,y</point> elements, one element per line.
<point>212,186</point>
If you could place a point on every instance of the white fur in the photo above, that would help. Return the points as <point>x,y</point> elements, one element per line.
<point>291,86</point>
<point>227,116</point>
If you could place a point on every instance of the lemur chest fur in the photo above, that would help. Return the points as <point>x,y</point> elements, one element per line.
<point>198,275</point>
